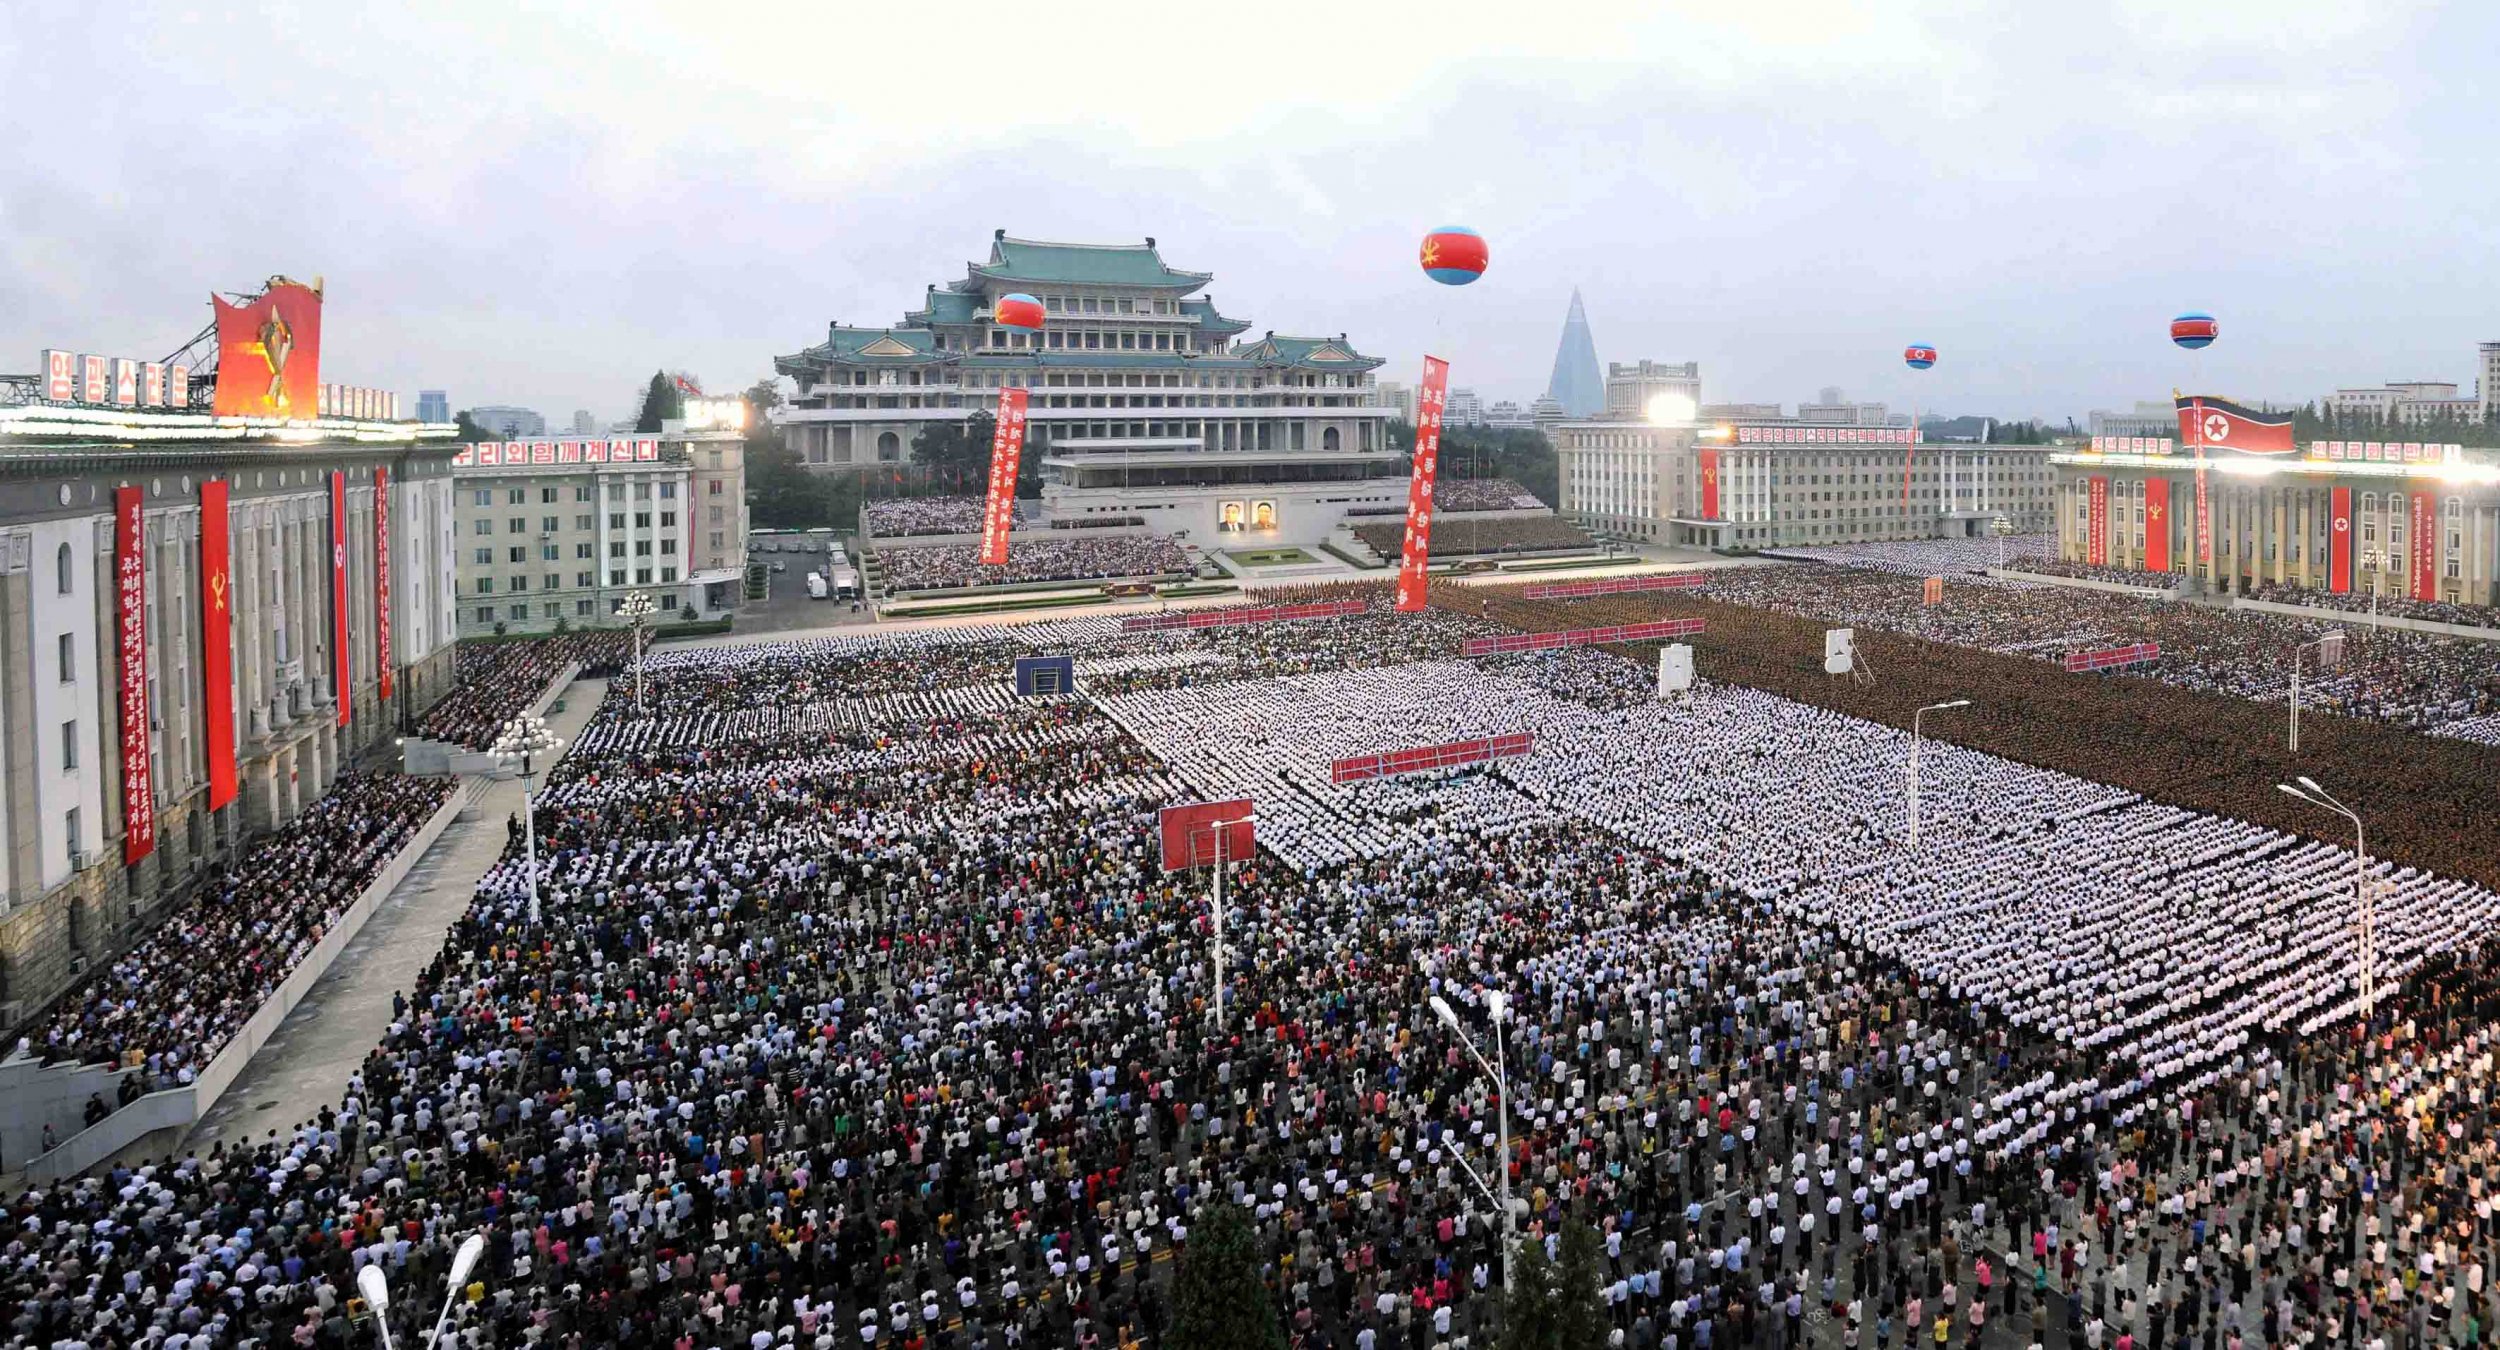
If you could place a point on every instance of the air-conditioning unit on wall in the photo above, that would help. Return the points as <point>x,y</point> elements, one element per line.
<point>86,858</point>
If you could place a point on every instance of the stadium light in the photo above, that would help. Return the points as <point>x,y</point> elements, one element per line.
<point>1669,409</point>
<point>1914,759</point>
<point>1497,1006</point>
<point>2367,911</point>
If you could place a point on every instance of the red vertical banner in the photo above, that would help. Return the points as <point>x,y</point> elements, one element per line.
<point>2425,541</point>
<point>2204,514</point>
<point>382,578</point>
<point>2156,524</point>
<point>998,514</point>
<point>1415,559</point>
<point>130,591</point>
<point>217,640</point>
<point>2339,542</point>
<point>2096,519</point>
<point>1710,485</point>
<point>340,669</point>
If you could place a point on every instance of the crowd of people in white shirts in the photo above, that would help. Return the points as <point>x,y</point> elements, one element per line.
<point>924,567</point>
<point>858,1011</point>
<point>888,517</point>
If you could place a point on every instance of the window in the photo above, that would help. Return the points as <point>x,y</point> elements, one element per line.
<point>65,570</point>
<point>518,525</point>
<point>581,607</point>
<point>546,494</point>
<point>515,553</point>
<point>642,548</point>
<point>616,577</point>
<point>485,497</point>
<point>520,582</point>
<point>668,546</point>
<point>712,488</point>
<point>550,524</point>
<point>69,659</point>
<point>584,579</point>
<point>616,548</point>
<point>668,574</point>
<point>616,520</point>
<point>668,492</point>
<point>482,526</point>
<point>486,585</point>
<point>486,614</point>
<point>76,840</point>
<point>553,581</point>
<point>516,496</point>
<point>642,576</point>
<point>584,521</point>
<point>581,493</point>
<point>642,520</point>
<point>667,519</point>
<point>716,539</point>
<point>642,492</point>
<point>582,550</point>
<point>485,556</point>
<point>69,744</point>
<point>616,492</point>
<point>547,552</point>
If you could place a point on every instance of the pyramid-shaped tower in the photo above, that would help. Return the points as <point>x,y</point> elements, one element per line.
<point>1576,384</point>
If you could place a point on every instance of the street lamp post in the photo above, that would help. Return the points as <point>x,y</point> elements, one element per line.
<point>525,738</point>
<point>1216,915</point>
<point>2336,638</point>
<point>2375,560</point>
<point>2321,798</point>
<point>1497,1007</point>
<point>1914,760</point>
<point>638,608</point>
<point>376,1288</point>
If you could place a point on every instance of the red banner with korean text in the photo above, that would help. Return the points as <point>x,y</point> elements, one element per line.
<point>1416,556</point>
<point>382,577</point>
<point>2339,543</point>
<point>998,513</point>
<point>2204,514</point>
<point>217,641</point>
<point>340,669</point>
<point>1387,763</point>
<point>130,594</point>
<point>2156,524</point>
<point>2425,543</point>
<point>2096,521</point>
<point>1710,485</point>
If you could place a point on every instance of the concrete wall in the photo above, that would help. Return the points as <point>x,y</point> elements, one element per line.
<point>32,1094</point>
<point>2362,619</point>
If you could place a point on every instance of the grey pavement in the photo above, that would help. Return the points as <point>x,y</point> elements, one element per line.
<point>305,1065</point>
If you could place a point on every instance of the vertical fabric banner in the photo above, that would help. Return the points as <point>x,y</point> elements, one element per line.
<point>1710,485</point>
<point>2339,543</point>
<point>382,578</point>
<point>2156,524</point>
<point>2204,514</point>
<point>340,669</point>
<point>998,514</point>
<point>130,590</point>
<point>217,641</point>
<point>2096,538</point>
<point>2425,542</point>
<point>1415,558</point>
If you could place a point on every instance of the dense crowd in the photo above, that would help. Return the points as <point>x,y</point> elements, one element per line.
<point>889,517</point>
<point>859,1012</point>
<point>497,679</point>
<point>1462,537</point>
<point>1482,494</point>
<point>2048,565</point>
<point>939,566</point>
<point>171,1002</point>
<point>2412,680</point>
<point>2387,606</point>
<point>1927,557</point>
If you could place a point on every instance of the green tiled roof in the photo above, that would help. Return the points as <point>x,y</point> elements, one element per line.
<point>1313,353</point>
<point>1208,320</point>
<point>1080,264</point>
<point>947,307</point>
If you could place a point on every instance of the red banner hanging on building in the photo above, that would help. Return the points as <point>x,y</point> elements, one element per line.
<point>340,669</point>
<point>130,593</point>
<point>269,353</point>
<point>2339,543</point>
<point>998,512</point>
<point>382,578</point>
<point>2425,543</point>
<point>2156,524</point>
<point>1416,557</point>
<point>2096,521</point>
<point>1202,834</point>
<point>1710,485</point>
<point>2204,514</point>
<point>217,641</point>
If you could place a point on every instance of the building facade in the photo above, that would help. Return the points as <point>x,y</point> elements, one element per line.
<point>555,534</point>
<point>2413,403</point>
<point>1574,386</point>
<point>2146,419</point>
<point>433,405</point>
<point>1783,484</point>
<point>509,422</point>
<point>1634,388</point>
<point>2413,520</point>
<point>70,893</point>
<point>1145,404</point>
<point>2487,382</point>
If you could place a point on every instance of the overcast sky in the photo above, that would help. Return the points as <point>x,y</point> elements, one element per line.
<point>539,205</point>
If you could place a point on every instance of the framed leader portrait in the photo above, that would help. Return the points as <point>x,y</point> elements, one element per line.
<point>1228,517</point>
<point>1263,516</point>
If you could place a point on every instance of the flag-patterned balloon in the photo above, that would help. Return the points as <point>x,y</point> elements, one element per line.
<point>1017,310</point>
<point>1454,255</point>
<point>1919,355</point>
<point>2194,330</point>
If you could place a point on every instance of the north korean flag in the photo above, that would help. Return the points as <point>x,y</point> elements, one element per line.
<point>2218,424</point>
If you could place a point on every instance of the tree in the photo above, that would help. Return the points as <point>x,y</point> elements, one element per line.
<point>957,453</point>
<point>1219,1301</point>
<point>469,430</point>
<point>1579,1309</point>
<point>1530,1305</point>
<point>1520,454</point>
<point>660,401</point>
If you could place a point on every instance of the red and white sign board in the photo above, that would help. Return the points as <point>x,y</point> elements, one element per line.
<point>1580,590</point>
<point>2110,658</point>
<point>1202,834</point>
<point>1234,618</point>
<point>1582,637</point>
<point>1388,763</point>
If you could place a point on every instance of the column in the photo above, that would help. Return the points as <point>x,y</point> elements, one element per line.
<point>21,865</point>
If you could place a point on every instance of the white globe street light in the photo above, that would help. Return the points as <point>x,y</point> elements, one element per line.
<point>376,1288</point>
<point>525,738</point>
<point>1496,1007</point>
<point>1914,760</point>
<point>638,609</point>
